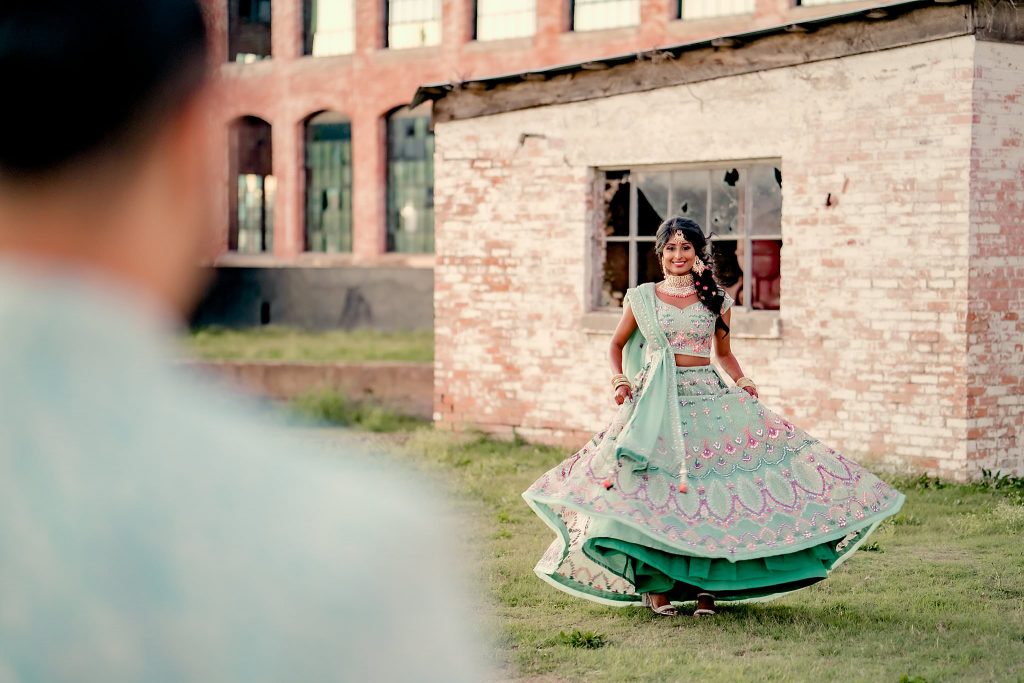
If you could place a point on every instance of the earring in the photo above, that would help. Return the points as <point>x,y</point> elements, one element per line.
<point>699,266</point>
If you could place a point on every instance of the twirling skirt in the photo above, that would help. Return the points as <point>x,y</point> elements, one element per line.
<point>769,510</point>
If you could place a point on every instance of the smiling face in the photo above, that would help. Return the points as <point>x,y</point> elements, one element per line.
<point>678,256</point>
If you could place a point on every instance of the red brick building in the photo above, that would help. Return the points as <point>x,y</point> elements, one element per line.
<point>328,177</point>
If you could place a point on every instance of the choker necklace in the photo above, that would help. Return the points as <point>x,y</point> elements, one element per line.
<point>678,285</point>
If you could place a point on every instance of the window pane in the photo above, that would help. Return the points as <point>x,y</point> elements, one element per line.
<point>616,274</point>
<point>734,197</point>
<point>248,30</point>
<point>410,182</point>
<point>330,27</point>
<point>329,183</point>
<point>590,15</point>
<point>252,200</point>
<point>728,257</point>
<point>704,9</point>
<point>616,204</point>
<point>497,19</point>
<point>648,267</point>
<point>725,202</point>
<point>765,277</point>
<point>414,23</point>
<point>766,185</point>
<point>690,196</point>
<point>652,198</point>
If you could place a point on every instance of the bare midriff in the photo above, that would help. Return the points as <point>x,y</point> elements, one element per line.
<point>685,361</point>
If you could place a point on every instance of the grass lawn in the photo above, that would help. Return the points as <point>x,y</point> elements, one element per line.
<point>286,344</point>
<point>937,594</point>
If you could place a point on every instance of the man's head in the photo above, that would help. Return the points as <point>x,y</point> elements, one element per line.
<point>102,139</point>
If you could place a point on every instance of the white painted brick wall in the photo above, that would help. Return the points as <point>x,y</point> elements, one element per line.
<point>995,399</point>
<point>872,354</point>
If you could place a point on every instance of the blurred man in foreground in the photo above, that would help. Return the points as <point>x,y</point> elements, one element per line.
<point>150,530</point>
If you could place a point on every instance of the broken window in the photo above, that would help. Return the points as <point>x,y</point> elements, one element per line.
<point>498,19</point>
<point>248,30</point>
<point>410,209</point>
<point>739,206</point>
<point>329,27</point>
<point>413,23</point>
<point>253,187</point>
<point>592,15</point>
<point>706,9</point>
<point>329,183</point>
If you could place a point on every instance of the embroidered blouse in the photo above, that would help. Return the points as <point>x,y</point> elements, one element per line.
<point>689,330</point>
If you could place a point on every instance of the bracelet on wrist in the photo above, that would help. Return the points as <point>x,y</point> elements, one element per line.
<point>744,382</point>
<point>617,379</point>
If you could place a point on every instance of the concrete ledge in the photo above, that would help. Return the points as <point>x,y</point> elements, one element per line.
<point>406,388</point>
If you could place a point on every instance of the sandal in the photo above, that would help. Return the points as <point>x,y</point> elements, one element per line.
<point>703,611</point>
<point>666,610</point>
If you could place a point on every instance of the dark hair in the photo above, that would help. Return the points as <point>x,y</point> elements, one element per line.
<point>708,291</point>
<point>87,78</point>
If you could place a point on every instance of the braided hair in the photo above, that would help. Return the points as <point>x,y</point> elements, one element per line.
<point>708,291</point>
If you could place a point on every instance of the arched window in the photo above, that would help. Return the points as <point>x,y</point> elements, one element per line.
<point>328,183</point>
<point>410,180</point>
<point>248,30</point>
<point>253,186</point>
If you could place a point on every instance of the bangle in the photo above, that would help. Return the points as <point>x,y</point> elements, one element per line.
<point>744,382</point>
<point>618,379</point>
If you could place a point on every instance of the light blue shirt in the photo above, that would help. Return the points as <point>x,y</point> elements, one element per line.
<point>153,530</point>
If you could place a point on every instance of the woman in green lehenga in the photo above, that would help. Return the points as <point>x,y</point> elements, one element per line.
<point>696,491</point>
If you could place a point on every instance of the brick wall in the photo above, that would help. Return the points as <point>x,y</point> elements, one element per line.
<point>995,333</point>
<point>369,84</point>
<point>872,354</point>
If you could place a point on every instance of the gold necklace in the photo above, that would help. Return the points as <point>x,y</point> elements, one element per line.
<point>678,285</point>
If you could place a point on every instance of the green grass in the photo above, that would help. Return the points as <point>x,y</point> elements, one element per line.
<point>937,595</point>
<point>286,344</point>
<point>332,408</point>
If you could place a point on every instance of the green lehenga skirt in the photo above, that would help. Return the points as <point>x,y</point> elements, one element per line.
<point>769,509</point>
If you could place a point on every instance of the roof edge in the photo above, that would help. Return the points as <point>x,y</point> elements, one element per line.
<point>881,13</point>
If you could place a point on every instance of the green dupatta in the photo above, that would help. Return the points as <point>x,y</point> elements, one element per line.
<point>652,436</point>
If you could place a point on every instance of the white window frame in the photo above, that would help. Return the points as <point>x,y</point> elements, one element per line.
<point>529,8</point>
<point>634,239</point>
<point>431,27</point>
<point>605,26</point>
<point>695,10</point>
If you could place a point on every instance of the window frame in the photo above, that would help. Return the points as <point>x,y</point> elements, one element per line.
<point>393,225</point>
<point>387,27</point>
<point>475,35</point>
<point>679,14</point>
<point>572,19</point>
<point>634,239</point>
<point>235,23</point>
<point>309,9</point>
<point>308,124</point>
